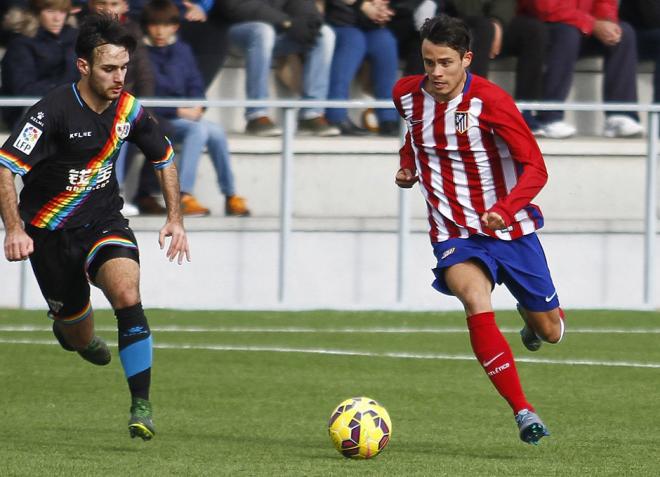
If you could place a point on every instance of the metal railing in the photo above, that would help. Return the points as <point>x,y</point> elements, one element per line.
<point>291,106</point>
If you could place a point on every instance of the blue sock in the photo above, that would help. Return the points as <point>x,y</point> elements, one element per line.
<point>135,349</point>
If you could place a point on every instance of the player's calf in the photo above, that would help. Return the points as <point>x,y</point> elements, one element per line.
<point>96,352</point>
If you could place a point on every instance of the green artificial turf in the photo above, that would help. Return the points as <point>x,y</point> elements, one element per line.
<point>250,393</point>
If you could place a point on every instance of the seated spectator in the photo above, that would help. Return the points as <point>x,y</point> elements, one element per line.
<point>586,28</point>
<point>42,55</point>
<point>644,16</point>
<point>139,81</point>
<point>498,31</point>
<point>203,29</point>
<point>360,32</point>
<point>409,16</point>
<point>177,76</point>
<point>264,29</point>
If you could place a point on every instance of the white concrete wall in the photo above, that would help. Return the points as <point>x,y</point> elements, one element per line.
<point>238,270</point>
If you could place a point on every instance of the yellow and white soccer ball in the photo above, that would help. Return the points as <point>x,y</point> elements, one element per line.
<point>360,428</point>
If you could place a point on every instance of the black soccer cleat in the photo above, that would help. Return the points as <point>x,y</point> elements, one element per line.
<point>97,351</point>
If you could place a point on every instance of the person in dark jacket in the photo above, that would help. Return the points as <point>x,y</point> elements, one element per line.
<point>203,28</point>
<point>360,31</point>
<point>498,31</point>
<point>263,29</point>
<point>42,55</point>
<point>177,76</point>
<point>409,15</point>
<point>644,16</point>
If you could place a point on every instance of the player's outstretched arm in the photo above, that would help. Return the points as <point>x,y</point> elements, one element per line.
<point>18,244</point>
<point>173,227</point>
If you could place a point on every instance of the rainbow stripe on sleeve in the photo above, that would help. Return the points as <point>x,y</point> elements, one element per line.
<point>13,163</point>
<point>167,158</point>
<point>55,212</point>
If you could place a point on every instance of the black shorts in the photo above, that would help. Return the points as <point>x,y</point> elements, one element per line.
<point>66,261</point>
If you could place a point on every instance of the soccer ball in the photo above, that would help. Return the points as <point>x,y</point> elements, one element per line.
<point>360,428</point>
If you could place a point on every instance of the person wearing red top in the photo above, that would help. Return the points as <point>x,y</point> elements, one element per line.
<point>587,28</point>
<point>478,167</point>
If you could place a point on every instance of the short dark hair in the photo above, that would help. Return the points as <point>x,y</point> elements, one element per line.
<point>160,12</point>
<point>446,30</point>
<point>99,29</point>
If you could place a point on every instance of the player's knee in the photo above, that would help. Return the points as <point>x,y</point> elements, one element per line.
<point>473,297</point>
<point>549,331</point>
<point>124,297</point>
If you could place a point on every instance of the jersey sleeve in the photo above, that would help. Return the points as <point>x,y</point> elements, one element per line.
<point>406,153</point>
<point>508,124</point>
<point>155,146</point>
<point>30,142</point>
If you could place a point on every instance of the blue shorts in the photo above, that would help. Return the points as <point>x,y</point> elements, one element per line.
<point>520,264</point>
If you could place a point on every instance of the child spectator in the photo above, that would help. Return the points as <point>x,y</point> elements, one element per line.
<point>177,76</point>
<point>42,55</point>
<point>139,81</point>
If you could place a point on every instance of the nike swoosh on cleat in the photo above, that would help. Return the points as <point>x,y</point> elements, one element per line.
<point>490,361</point>
<point>548,299</point>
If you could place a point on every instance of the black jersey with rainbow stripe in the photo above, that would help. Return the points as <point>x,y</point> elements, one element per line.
<point>65,153</point>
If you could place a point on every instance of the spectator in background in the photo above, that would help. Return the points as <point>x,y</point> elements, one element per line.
<point>139,81</point>
<point>409,16</point>
<point>203,28</point>
<point>42,55</point>
<point>360,32</point>
<point>177,76</point>
<point>644,16</point>
<point>498,31</point>
<point>586,27</point>
<point>264,29</point>
<point>5,34</point>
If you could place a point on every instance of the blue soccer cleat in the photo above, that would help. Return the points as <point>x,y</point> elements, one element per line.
<point>529,338</point>
<point>531,427</point>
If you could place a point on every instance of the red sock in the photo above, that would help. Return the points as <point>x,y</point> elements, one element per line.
<point>494,354</point>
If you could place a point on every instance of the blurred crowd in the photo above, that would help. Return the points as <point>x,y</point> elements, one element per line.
<point>332,49</point>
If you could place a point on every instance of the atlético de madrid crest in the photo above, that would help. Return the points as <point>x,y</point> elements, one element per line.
<point>461,121</point>
<point>122,129</point>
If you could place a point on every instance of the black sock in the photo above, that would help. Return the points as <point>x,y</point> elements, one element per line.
<point>135,349</point>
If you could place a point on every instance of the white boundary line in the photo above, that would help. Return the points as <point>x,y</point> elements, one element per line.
<point>376,330</point>
<point>337,352</point>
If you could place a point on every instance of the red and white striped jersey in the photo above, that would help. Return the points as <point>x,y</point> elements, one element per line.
<point>472,154</point>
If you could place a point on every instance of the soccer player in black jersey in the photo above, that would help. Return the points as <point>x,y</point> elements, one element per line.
<point>68,221</point>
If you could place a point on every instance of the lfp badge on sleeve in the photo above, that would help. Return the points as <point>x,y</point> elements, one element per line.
<point>28,138</point>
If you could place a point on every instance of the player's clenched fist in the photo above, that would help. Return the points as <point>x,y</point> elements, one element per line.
<point>405,178</point>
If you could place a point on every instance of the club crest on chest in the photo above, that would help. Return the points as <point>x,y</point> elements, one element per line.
<point>461,121</point>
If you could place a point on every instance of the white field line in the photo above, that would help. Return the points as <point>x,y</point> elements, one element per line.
<point>338,352</point>
<point>376,330</point>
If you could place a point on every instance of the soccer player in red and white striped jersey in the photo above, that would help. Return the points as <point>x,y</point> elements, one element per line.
<point>478,167</point>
